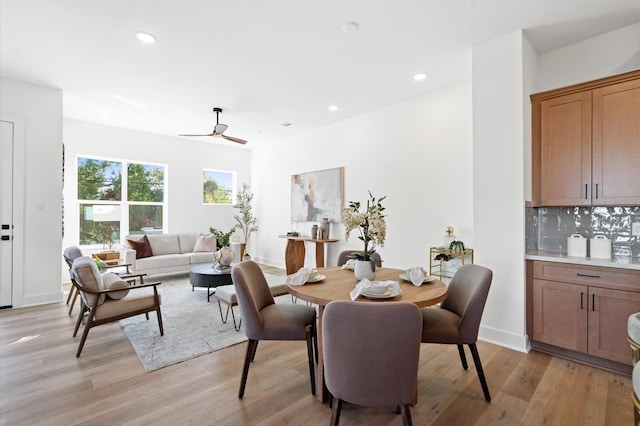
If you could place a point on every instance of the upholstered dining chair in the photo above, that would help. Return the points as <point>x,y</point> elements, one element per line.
<point>106,298</point>
<point>371,353</point>
<point>457,320</point>
<point>265,320</point>
<point>344,256</point>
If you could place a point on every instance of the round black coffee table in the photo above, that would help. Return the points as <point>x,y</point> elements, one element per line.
<point>208,276</point>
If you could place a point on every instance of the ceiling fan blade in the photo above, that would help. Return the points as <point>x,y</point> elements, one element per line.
<point>210,134</point>
<point>232,139</point>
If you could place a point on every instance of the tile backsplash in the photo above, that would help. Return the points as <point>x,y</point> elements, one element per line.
<point>549,227</point>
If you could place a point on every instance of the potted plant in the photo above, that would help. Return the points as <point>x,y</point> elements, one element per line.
<point>245,218</point>
<point>373,230</point>
<point>222,237</point>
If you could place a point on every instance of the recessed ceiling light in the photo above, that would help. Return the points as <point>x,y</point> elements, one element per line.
<point>104,115</point>
<point>350,27</point>
<point>420,76</point>
<point>146,37</point>
<point>333,107</point>
<point>286,124</point>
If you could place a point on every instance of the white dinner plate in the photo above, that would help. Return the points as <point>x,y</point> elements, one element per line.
<point>317,278</point>
<point>392,292</point>
<point>427,279</point>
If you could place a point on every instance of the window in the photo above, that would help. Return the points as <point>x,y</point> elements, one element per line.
<point>119,196</point>
<point>218,187</point>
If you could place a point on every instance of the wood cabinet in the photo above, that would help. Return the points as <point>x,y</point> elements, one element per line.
<point>584,309</point>
<point>586,143</point>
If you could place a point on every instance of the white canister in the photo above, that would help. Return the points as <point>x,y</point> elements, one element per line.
<point>600,247</point>
<point>576,246</point>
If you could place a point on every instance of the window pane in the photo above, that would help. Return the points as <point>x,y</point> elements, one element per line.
<point>99,224</point>
<point>217,187</point>
<point>145,182</point>
<point>99,180</point>
<point>145,219</point>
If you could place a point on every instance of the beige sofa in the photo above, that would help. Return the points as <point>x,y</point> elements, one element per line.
<point>171,253</point>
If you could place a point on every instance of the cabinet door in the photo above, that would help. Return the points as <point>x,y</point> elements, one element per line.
<point>565,150</point>
<point>608,314</point>
<point>560,314</point>
<point>616,144</point>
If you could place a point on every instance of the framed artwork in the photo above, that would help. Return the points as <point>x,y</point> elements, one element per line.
<point>316,195</point>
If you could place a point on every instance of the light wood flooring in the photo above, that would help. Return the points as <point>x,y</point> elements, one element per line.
<point>43,383</point>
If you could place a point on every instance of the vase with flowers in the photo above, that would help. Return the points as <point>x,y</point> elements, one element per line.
<point>373,230</point>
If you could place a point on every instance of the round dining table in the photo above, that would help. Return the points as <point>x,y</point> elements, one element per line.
<point>338,284</point>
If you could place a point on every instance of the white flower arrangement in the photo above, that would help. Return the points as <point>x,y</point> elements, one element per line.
<point>370,223</point>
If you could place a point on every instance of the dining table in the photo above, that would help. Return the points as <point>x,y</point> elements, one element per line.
<point>337,284</point>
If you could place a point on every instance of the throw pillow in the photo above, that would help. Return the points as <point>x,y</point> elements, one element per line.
<point>141,246</point>
<point>206,243</point>
<point>112,281</point>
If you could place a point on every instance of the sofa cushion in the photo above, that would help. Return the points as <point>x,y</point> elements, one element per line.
<point>86,273</point>
<point>206,243</point>
<point>164,244</point>
<point>111,281</point>
<point>141,246</point>
<point>187,242</point>
<point>163,261</point>
<point>201,257</point>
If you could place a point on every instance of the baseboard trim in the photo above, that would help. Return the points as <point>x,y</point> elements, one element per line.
<point>503,338</point>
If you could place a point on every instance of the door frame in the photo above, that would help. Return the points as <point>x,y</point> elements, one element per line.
<point>18,206</point>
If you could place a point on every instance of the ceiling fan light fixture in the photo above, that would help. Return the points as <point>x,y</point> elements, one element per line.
<point>420,76</point>
<point>146,37</point>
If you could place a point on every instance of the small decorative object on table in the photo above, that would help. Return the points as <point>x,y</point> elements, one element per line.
<point>372,227</point>
<point>223,238</point>
<point>223,258</point>
<point>325,227</point>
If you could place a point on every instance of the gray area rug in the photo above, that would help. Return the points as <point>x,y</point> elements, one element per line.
<point>192,327</point>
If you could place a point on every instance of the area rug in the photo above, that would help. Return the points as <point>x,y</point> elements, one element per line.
<point>192,326</point>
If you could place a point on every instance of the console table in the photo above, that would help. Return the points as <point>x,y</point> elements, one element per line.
<point>295,252</point>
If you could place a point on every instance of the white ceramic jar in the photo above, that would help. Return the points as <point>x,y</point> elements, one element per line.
<point>600,247</point>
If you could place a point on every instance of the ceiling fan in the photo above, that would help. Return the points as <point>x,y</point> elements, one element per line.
<point>219,130</point>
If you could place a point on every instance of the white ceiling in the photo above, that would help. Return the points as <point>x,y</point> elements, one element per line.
<point>267,62</point>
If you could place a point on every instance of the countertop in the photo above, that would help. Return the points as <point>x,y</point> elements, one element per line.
<point>614,262</point>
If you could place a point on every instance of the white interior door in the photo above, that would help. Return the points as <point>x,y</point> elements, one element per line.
<point>6,213</point>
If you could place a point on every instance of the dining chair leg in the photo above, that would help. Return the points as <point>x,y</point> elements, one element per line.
<point>251,351</point>
<point>71,292</point>
<point>312,374</point>
<point>335,413</point>
<point>405,412</point>
<point>483,381</point>
<point>255,348</point>
<point>463,357</point>
<point>315,341</point>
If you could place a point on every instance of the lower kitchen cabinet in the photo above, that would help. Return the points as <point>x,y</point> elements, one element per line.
<point>583,309</point>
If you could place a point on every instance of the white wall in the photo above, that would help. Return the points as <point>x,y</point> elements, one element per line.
<point>38,172</point>
<point>185,160</point>
<point>417,153</point>
<point>609,54</point>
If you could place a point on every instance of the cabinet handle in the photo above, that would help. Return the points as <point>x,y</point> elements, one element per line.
<point>593,302</point>
<point>597,191</point>
<point>581,300</point>
<point>586,186</point>
<point>588,276</point>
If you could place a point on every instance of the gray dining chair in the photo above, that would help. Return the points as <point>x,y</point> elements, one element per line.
<point>457,320</point>
<point>371,353</point>
<point>265,320</point>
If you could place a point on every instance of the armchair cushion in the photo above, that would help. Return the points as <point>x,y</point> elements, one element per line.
<point>86,270</point>
<point>141,246</point>
<point>206,243</point>
<point>112,281</point>
<point>142,298</point>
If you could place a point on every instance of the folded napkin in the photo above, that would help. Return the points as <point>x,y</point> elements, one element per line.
<point>302,276</point>
<point>365,283</point>
<point>351,264</point>
<point>416,275</point>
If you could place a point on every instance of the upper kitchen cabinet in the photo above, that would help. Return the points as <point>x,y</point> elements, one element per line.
<point>586,143</point>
